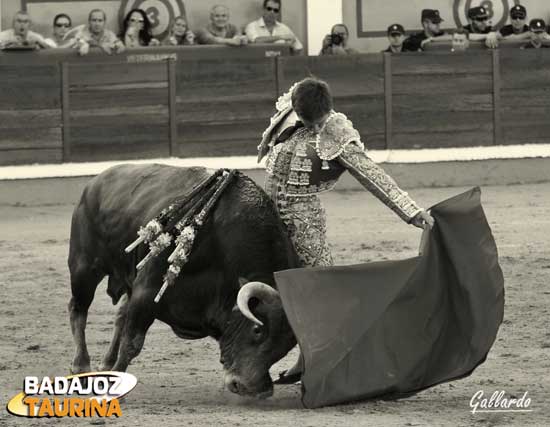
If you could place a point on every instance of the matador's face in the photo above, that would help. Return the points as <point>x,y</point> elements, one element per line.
<point>315,125</point>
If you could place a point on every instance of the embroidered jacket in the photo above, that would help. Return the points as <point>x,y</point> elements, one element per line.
<point>309,163</point>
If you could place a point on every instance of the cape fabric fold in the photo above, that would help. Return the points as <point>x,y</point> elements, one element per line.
<point>386,329</point>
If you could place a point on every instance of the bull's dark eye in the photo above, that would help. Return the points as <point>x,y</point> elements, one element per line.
<point>257,329</point>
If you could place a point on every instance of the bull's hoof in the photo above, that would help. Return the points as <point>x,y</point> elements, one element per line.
<point>107,366</point>
<point>285,378</point>
<point>80,369</point>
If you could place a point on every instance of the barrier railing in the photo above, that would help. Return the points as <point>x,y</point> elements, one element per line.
<point>145,103</point>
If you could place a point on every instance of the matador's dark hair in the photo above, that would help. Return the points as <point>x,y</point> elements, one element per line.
<point>311,99</point>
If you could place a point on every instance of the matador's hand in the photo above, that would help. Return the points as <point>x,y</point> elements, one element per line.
<point>423,218</point>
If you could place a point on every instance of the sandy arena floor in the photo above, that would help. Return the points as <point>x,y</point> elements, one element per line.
<point>180,382</point>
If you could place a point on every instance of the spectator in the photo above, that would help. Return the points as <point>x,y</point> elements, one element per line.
<point>20,36</point>
<point>220,31</point>
<point>396,37</point>
<point>96,35</point>
<point>136,30</point>
<point>517,30</point>
<point>430,20</point>
<point>479,28</point>
<point>61,26</point>
<point>179,34</point>
<point>268,30</point>
<point>478,21</point>
<point>461,40</point>
<point>336,43</point>
<point>538,35</point>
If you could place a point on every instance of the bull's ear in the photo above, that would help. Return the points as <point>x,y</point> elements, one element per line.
<point>243,281</point>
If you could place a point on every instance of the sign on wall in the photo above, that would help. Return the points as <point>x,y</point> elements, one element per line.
<point>374,16</point>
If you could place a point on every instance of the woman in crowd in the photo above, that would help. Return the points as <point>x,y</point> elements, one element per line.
<point>61,26</point>
<point>136,30</point>
<point>179,33</point>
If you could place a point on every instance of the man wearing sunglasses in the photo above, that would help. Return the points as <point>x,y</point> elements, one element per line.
<point>517,29</point>
<point>478,21</point>
<point>268,30</point>
<point>61,26</point>
<point>479,27</point>
<point>431,31</point>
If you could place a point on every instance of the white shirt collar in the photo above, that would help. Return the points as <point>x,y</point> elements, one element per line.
<point>261,23</point>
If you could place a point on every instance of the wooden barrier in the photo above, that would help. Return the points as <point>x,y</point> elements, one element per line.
<point>214,101</point>
<point>30,114</point>
<point>442,100</point>
<point>222,105</point>
<point>57,106</point>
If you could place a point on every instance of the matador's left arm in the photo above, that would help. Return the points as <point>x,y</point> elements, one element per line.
<point>377,181</point>
<point>340,141</point>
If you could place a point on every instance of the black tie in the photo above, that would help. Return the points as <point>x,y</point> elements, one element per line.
<point>288,132</point>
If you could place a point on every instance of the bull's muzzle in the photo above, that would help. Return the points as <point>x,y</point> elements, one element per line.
<point>235,385</point>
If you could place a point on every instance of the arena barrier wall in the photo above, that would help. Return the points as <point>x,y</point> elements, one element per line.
<point>214,101</point>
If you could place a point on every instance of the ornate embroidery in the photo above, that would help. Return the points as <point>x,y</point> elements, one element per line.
<point>305,220</point>
<point>293,178</point>
<point>293,160</point>
<point>302,190</point>
<point>301,164</point>
<point>337,133</point>
<point>378,182</point>
<point>271,159</point>
<point>292,165</point>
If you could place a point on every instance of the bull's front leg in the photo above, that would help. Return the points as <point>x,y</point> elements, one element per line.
<point>120,322</point>
<point>84,280</point>
<point>139,318</point>
<point>78,319</point>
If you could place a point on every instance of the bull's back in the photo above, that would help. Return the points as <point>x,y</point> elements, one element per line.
<point>118,201</point>
<point>244,223</point>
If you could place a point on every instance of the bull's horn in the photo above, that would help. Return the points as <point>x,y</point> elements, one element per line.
<point>258,290</point>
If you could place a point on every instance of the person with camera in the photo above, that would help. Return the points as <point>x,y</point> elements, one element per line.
<point>336,43</point>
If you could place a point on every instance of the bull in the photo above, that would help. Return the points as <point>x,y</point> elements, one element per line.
<point>243,237</point>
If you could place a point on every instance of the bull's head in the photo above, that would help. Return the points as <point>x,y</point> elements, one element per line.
<point>257,336</point>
